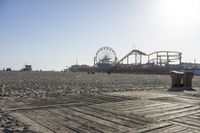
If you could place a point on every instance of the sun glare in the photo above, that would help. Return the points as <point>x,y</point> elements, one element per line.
<point>179,12</point>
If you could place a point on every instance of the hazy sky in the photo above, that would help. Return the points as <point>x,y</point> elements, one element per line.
<point>52,34</point>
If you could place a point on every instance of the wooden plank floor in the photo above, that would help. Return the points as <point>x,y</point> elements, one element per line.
<point>113,113</point>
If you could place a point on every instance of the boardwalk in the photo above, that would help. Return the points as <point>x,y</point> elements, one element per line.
<point>113,112</point>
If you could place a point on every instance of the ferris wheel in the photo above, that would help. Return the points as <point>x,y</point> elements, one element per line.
<point>105,55</point>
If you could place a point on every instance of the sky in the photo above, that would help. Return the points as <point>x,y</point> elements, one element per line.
<point>53,34</point>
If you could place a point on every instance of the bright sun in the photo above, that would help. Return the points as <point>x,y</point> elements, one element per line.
<point>181,12</point>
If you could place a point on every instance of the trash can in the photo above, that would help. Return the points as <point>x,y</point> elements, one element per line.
<point>177,78</point>
<point>187,80</point>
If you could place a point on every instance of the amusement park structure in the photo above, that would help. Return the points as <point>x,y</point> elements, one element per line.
<point>137,61</point>
<point>158,58</point>
<point>105,58</point>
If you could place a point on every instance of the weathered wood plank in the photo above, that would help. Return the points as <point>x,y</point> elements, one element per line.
<point>103,113</point>
<point>89,100</point>
<point>154,127</point>
<point>174,112</point>
<point>137,119</point>
<point>179,114</point>
<point>46,122</point>
<point>108,116</point>
<point>147,107</point>
<point>189,131</point>
<point>151,111</point>
<point>131,103</point>
<point>107,98</point>
<point>195,117</point>
<point>69,123</point>
<point>142,107</point>
<point>187,100</point>
<point>188,97</point>
<point>197,114</point>
<point>33,125</point>
<point>121,98</point>
<point>185,125</point>
<point>194,123</point>
<point>169,129</point>
<point>84,121</point>
<point>45,106</point>
<point>99,120</point>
